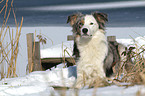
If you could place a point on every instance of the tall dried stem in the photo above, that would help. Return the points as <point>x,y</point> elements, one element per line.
<point>9,51</point>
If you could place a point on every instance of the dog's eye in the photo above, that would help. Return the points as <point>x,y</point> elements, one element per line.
<point>91,23</point>
<point>80,23</point>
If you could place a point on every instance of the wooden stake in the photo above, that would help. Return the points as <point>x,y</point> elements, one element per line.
<point>37,61</point>
<point>33,48</point>
<point>30,40</point>
<point>111,38</point>
<point>70,37</point>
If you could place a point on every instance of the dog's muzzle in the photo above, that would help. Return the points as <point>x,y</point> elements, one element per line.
<point>85,32</point>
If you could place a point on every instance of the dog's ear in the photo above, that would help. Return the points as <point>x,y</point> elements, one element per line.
<point>101,18</point>
<point>72,19</point>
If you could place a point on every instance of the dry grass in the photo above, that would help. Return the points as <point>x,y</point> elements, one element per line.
<point>9,41</point>
<point>64,52</point>
<point>135,74</point>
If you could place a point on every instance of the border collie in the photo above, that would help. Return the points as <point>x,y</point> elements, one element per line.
<point>96,57</point>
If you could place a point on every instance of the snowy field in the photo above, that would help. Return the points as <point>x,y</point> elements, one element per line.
<point>40,83</point>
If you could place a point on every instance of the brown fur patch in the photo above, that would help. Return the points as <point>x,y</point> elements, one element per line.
<point>77,36</point>
<point>101,18</point>
<point>78,26</point>
<point>72,19</point>
<point>81,23</point>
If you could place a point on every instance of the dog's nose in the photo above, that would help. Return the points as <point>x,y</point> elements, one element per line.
<point>85,30</point>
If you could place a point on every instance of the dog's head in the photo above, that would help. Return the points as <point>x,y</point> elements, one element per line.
<point>86,25</point>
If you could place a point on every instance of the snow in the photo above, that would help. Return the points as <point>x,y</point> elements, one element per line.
<point>139,41</point>
<point>58,50</point>
<point>42,83</point>
<point>39,83</point>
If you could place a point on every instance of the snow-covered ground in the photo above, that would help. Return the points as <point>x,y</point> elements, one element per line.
<point>39,83</point>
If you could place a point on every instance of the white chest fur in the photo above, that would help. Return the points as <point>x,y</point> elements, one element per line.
<point>92,55</point>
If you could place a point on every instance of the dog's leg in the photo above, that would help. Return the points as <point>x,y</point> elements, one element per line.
<point>83,75</point>
<point>79,82</point>
<point>86,75</point>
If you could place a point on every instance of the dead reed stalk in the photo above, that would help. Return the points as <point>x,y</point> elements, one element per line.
<point>9,41</point>
<point>64,51</point>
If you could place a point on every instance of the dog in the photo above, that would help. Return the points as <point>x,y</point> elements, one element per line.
<point>95,54</point>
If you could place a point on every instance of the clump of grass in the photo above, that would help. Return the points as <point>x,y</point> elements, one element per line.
<point>9,41</point>
<point>135,73</point>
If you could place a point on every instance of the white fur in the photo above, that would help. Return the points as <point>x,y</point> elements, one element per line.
<point>93,51</point>
<point>92,28</point>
